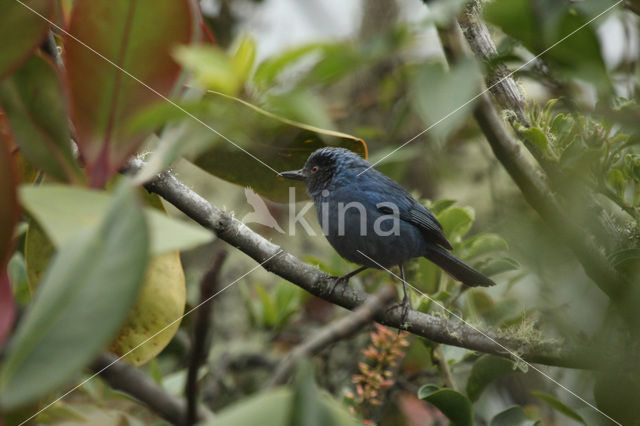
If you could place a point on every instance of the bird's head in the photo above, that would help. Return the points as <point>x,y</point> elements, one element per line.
<point>327,166</point>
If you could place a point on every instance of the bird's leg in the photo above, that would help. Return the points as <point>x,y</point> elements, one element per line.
<point>405,299</point>
<point>345,278</point>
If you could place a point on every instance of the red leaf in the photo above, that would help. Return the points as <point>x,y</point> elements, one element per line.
<point>7,306</point>
<point>137,37</point>
<point>21,31</point>
<point>8,219</point>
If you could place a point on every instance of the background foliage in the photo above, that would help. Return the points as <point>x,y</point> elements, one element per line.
<point>90,262</point>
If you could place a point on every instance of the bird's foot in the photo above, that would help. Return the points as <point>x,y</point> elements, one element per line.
<point>343,280</point>
<point>405,306</point>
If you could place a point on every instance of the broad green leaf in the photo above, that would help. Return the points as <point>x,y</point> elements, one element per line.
<point>63,211</point>
<point>136,37</point>
<point>38,251</point>
<point>484,371</point>
<point>453,404</point>
<point>558,405</point>
<point>243,57</point>
<point>439,205</point>
<point>21,31</point>
<point>85,295</point>
<point>252,136</point>
<point>33,100</point>
<point>444,98</point>
<point>482,244</point>
<point>456,221</point>
<point>512,416</point>
<point>497,266</point>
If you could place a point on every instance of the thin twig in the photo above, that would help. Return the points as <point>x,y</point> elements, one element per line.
<point>331,333</point>
<point>128,379</point>
<point>199,346</point>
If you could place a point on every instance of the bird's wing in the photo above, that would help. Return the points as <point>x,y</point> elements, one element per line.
<point>410,210</point>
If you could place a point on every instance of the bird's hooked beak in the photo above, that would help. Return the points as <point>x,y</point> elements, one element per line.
<point>293,174</point>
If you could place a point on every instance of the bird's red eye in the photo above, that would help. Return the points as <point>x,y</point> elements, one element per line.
<point>314,169</point>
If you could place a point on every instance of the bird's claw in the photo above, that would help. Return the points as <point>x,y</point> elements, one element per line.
<point>338,280</point>
<point>405,306</point>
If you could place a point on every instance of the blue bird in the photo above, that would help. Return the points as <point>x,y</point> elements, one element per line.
<point>371,220</point>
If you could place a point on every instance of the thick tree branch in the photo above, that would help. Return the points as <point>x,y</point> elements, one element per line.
<point>289,267</point>
<point>128,379</point>
<point>331,333</point>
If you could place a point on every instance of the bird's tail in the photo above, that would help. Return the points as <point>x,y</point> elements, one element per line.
<point>457,268</point>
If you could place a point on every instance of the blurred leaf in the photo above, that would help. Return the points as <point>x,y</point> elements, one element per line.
<point>497,266</point>
<point>269,312</point>
<point>83,299</point>
<point>514,19</point>
<point>38,251</point>
<point>280,143</point>
<point>156,316</point>
<point>63,211</point>
<point>444,98</point>
<point>212,68</point>
<point>484,371</point>
<point>7,305</point>
<point>17,270</point>
<point>21,31</point>
<point>559,406</point>
<point>482,244</point>
<point>8,219</point>
<point>103,98</point>
<point>276,408</point>
<point>456,221</point>
<point>271,68</point>
<point>562,127</point>
<point>439,205</point>
<point>512,416</point>
<point>453,404</point>
<point>617,181</point>
<point>243,57</point>
<point>34,103</point>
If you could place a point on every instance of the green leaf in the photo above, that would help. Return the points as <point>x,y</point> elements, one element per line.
<point>536,137</point>
<point>21,31</point>
<point>559,406</point>
<point>513,17</point>
<point>617,181</point>
<point>484,371</point>
<point>103,99</point>
<point>63,211</point>
<point>456,221</point>
<point>497,266</point>
<point>271,68</point>
<point>512,416</point>
<point>482,244</point>
<point>85,295</point>
<point>212,68</point>
<point>439,205</point>
<point>269,312</point>
<point>453,404</point>
<point>243,57</point>
<point>34,103</point>
<point>444,98</point>
<point>276,408</point>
